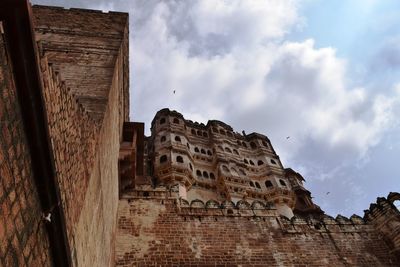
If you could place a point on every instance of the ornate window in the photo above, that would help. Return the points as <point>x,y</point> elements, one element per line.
<point>163,138</point>
<point>251,162</point>
<point>260,162</point>
<point>177,139</point>
<point>176,121</point>
<point>163,158</point>
<point>193,132</point>
<point>198,173</point>
<point>273,161</point>
<point>212,175</point>
<point>162,121</point>
<point>253,145</point>
<point>196,149</point>
<point>227,149</point>
<point>258,185</point>
<point>205,174</point>
<point>268,184</point>
<point>282,182</point>
<point>203,151</point>
<point>205,134</point>
<point>179,159</point>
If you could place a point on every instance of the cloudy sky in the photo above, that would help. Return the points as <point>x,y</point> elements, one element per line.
<point>325,73</point>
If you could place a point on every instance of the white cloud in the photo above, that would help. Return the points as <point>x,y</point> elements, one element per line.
<point>227,60</point>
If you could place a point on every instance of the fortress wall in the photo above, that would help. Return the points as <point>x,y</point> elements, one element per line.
<point>162,231</point>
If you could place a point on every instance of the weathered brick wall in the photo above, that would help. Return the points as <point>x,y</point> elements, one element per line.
<point>83,58</point>
<point>23,239</point>
<point>86,161</point>
<point>156,232</point>
<point>73,139</point>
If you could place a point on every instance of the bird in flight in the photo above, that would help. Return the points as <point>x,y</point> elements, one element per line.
<point>287,137</point>
<point>174,91</point>
<point>328,193</point>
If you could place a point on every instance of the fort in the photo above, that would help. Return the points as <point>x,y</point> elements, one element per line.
<point>81,184</point>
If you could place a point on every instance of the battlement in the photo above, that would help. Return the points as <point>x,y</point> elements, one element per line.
<point>154,227</point>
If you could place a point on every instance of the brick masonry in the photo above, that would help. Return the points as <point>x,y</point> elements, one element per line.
<point>160,231</point>
<point>23,239</point>
<point>83,61</point>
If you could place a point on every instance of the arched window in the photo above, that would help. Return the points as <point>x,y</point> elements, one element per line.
<point>222,132</point>
<point>229,134</point>
<point>236,152</point>
<point>244,144</point>
<point>260,162</point>
<point>215,130</point>
<point>203,151</point>
<point>205,174</point>
<point>268,184</point>
<point>176,121</point>
<point>193,132</point>
<point>205,134</point>
<point>220,148</point>
<point>163,138</point>
<point>187,144</point>
<point>251,184</point>
<point>273,161</point>
<point>253,145</point>
<point>190,166</point>
<point>225,168</point>
<point>251,162</point>
<point>228,150</point>
<point>162,121</point>
<point>242,172</point>
<point>198,173</point>
<point>258,185</point>
<point>265,143</point>
<point>179,159</point>
<point>209,153</point>
<point>246,161</point>
<point>177,139</point>
<point>282,182</point>
<point>212,176</point>
<point>239,143</point>
<point>196,149</point>
<point>198,132</point>
<point>163,158</point>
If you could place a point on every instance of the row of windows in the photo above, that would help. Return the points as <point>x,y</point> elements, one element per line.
<point>175,120</point>
<point>227,149</point>
<point>164,158</point>
<point>253,145</point>
<point>268,184</point>
<point>199,133</point>
<point>205,174</point>
<point>202,151</point>
<point>196,149</point>
<point>233,170</point>
<point>259,162</point>
<point>222,131</point>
